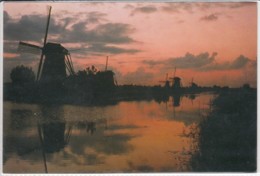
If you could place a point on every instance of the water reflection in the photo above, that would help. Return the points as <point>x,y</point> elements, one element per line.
<point>89,126</point>
<point>162,98</point>
<point>18,118</point>
<point>176,100</point>
<point>131,136</point>
<point>53,132</point>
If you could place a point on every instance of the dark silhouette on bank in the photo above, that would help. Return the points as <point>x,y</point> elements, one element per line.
<point>227,137</point>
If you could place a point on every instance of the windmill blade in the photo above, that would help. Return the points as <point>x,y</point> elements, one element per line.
<point>47,27</point>
<point>69,65</point>
<point>39,68</point>
<point>68,68</point>
<point>28,48</point>
<point>44,43</point>
<point>106,64</point>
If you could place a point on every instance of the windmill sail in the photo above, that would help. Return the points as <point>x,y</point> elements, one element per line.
<point>29,48</point>
<point>44,43</point>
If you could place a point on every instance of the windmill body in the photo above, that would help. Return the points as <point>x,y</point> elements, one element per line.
<point>54,66</point>
<point>166,82</point>
<point>176,83</point>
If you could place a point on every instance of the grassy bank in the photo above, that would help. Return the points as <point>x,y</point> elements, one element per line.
<point>227,137</point>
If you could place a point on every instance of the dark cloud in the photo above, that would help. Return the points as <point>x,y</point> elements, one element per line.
<point>231,5</point>
<point>178,7</point>
<point>29,27</point>
<point>240,4</point>
<point>67,21</point>
<point>211,17</point>
<point>113,33</point>
<point>238,63</point>
<point>144,9</point>
<point>204,6</point>
<point>171,8</point>
<point>32,27</point>
<point>192,61</point>
<point>187,61</point>
<point>129,6</point>
<point>101,48</point>
<point>99,38</point>
<point>140,76</point>
<point>152,63</point>
<point>201,62</point>
<point>95,17</point>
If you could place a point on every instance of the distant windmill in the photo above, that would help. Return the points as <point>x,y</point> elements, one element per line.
<point>54,60</point>
<point>193,85</point>
<point>176,81</point>
<point>167,82</point>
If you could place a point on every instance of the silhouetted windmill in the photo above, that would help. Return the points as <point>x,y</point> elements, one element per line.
<point>166,82</point>
<point>176,81</point>
<point>192,84</point>
<point>54,60</point>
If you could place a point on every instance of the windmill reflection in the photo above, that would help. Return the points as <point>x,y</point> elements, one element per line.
<point>159,98</point>
<point>53,132</point>
<point>176,100</point>
<point>192,97</point>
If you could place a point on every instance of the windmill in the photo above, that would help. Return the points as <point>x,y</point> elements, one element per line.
<point>54,59</point>
<point>167,82</point>
<point>192,84</point>
<point>176,81</point>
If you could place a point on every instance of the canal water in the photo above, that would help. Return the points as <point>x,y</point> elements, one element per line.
<point>130,136</point>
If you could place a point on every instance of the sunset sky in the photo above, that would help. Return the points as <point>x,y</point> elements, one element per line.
<point>213,43</point>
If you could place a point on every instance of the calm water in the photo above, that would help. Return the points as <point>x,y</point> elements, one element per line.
<point>134,136</point>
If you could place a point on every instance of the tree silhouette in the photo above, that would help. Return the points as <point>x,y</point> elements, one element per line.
<point>22,75</point>
<point>91,70</point>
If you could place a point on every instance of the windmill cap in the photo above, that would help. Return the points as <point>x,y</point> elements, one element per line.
<point>54,48</point>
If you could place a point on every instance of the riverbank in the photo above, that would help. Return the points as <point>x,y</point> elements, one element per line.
<point>228,136</point>
<point>89,95</point>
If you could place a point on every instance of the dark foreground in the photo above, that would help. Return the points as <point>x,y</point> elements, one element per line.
<point>228,136</point>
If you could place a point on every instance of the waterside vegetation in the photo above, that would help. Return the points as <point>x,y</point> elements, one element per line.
<point>227,136</point>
